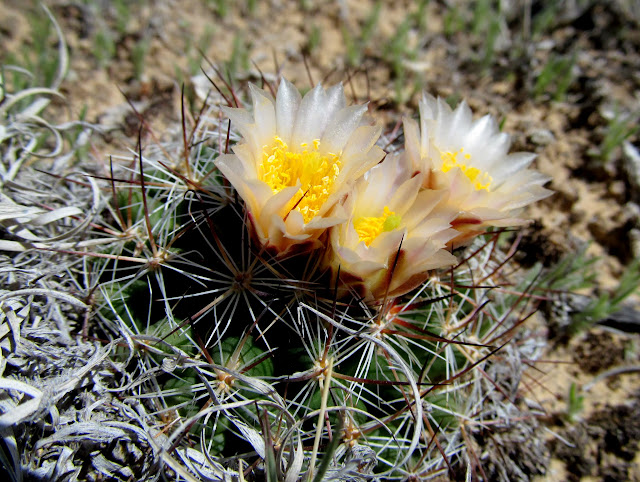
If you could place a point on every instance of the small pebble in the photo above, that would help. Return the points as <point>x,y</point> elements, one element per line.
<point>542,137</point>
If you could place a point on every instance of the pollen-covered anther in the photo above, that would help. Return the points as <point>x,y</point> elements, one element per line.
<point>480,180</point>
<point>316,172</point>
<point>370,227</point>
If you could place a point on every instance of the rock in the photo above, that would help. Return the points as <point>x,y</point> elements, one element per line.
<point>631,212</point>
<point>541,137</point>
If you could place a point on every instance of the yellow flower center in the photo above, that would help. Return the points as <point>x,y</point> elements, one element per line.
<point>369,228</point>
<point>316,172</point>
<point>480,180</point>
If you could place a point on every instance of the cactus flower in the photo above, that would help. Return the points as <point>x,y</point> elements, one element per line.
<point>393,236</point>
<point>470,159</point>
<point>300,156</point>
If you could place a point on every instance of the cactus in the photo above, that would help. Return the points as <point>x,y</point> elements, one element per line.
<point>185,340</point>
<point>254,361</point>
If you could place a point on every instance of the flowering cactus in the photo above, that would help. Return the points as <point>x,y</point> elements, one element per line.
<point>323,317</point>
<point>307,167</point>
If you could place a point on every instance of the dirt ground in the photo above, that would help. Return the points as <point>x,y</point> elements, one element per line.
<point>596,197</point>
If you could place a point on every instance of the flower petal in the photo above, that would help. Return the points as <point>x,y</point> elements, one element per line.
<point>287,104</point>
<point>341,128</point>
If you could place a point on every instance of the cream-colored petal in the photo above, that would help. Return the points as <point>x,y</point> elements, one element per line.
<point>277,202</point>
<point>335,101</point>
<point>240,118</point>
<point>412,143</point>
<point>425,201</point>
<point>248,158</point>
<point>340,130</point>
<point>512,164</point>
<point>535,193</point>
<point>311,117</point>
<point>360,154</point>
<point>433,228</point>
<point>430,258</point>
<point>325,222</point>
<point>460,120</point>
<point>287,104</point>
<point>480,132</point>
<point>386,245</point>
<point>295,224</point>
<point>264,114</point>
<point>352,262</point>
<point>376,188</point>
<point>428,106</point>
<point>405,195</point>
<point>252,191</point>
<point>442,131</point>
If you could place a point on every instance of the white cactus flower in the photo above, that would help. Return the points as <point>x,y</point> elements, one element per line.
<point>486,185</point>
<point>300,156</point>
<point>393,235</point>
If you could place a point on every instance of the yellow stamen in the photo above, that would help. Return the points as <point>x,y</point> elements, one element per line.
<point>480,180</point>
<point>369,228</point>
<point>316,172</point>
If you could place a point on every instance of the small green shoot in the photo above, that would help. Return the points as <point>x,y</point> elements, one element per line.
<point>315,39</point>
<point>194,55</point>
<point>306,5</point>
<point>453,21</point>
<point>239,58</point>
<point>420,16</point>
<point>45,64</point>
<point>502,123</point>
<point>573,272</point>
<point>369,27</point>
<point>545,19</point>
<point>608,303</point>
<point>453,100</point>
<point>484,27</point>
<point>575,404</point>
<point>138,57</point>
<point>40,57</point>
<point>329,454</point>
<point>357,43</point>
<point>104,47</point>
<point>350,46</point>
<point>221,7</point>
<point>397,53</point>
<point>271,467</point>
<point>620,128</point>
<point>123,14</point>
<point>491,34</point>
<point>252,6</point>
<point>556,78</point>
